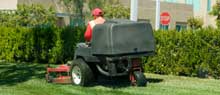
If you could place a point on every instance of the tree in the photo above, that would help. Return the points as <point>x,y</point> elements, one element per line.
<point>28,15</point>
<point>101,3</point>
<point>36,15</point>
<point>195,23</point>
<point>112,8</point>
<point>96,3</point>
<point>116,12</point>
<point>75,8</point>
<point>216,12</point>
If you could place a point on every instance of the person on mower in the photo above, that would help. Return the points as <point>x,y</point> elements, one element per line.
<point>97,13</point>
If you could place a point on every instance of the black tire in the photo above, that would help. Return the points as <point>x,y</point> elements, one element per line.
<point>140,78</point>
<point>80,67</point>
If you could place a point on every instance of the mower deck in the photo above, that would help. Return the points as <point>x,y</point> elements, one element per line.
<point>60,74</point>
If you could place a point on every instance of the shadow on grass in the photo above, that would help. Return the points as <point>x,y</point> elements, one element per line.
<point>112,82</point>
<point>11,74</point>
<point>120,82</point>
<point>154,80</point>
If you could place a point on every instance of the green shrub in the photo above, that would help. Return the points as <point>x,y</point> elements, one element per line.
<point>28,15</point>
<point>11,43</point>
<point>116,11</point>
<point>216,12</point>
<point>30,34</point>
<point>39,44</point>
<point>195,22</point>
<point>186,53</point>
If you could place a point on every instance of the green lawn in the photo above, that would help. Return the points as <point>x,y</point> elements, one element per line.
<point>28,79</point>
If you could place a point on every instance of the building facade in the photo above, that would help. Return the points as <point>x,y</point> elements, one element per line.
<point>179,13</point>
<point>179,10</point>
<point>201,9</point>
<point>8,5</point>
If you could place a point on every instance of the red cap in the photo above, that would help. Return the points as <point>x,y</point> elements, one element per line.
<point>97,12</point>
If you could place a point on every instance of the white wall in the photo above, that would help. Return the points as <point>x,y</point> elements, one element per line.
<point>8,4</point>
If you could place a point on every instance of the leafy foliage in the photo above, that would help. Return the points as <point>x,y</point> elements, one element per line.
<point>39,44</point>
<point>216,12</point>
<point>112,8</point>
<point>28,15</point>
<point>178,53</point>
<point>186,53</point>
<point>74,6</point>
<point>101,3</point>
<point>96,3</point>
<point>195,23</point>
<point>116,12</point>
<point>36,37</point>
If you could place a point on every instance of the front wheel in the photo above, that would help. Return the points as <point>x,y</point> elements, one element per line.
<point>81,73</point>
<point>140,78</point>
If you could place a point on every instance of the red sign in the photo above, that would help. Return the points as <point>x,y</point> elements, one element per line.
<point>165,18</point>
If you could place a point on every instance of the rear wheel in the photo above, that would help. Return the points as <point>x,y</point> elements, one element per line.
<point>140,78</point>
<point>81,73</point>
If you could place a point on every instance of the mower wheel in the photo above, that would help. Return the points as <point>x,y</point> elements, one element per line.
<point>81,73</point>
<point>140,78</point>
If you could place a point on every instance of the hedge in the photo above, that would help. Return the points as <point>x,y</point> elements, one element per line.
<point>188,53</point>
<point>39,44</point>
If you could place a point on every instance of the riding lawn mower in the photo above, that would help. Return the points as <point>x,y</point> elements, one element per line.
<point>117,48</point>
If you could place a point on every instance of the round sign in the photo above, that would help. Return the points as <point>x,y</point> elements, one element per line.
<point>165,18</point>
